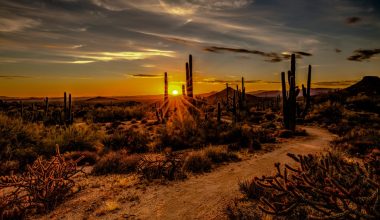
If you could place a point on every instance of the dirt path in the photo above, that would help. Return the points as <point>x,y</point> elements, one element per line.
<point>204,197</point>
<point>198,197</point>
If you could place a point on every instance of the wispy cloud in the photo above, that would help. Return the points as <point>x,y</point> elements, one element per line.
<point>353,20</point>
<point>335,83</point>
<point>363,55</point>
<point>13,76</point>
<point>15,24</point>
<point>271,56</point>
<point>145,75</point>
<point>223,81</point>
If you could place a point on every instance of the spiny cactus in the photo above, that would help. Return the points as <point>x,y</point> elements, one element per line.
<point>289,99</point>
<point>46,106</point>
<point>43,186</point>
<point>319,187</point>
<point>306,93</point>
<point>219,113</point>
<point>189,77</point>
<point>166,95</point>
<point>227,98</point>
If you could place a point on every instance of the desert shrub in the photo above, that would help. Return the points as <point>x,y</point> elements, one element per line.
<point>158,166</point>
<point>115,113</point>
<point>180,135</point>
<point>327,113</point>
<point>18,141</point>
<point>116,162</point>
<point>44,185</point>
<point>197,162</point>
<point>220,154</point>
<point>131,140</point>
<point>72,138</point>
<point>319,187</point>
<point>285,133</point>
<point>89,157</point>
<point>9,166</point>
<point>358,141</point>
<point>362,102</point>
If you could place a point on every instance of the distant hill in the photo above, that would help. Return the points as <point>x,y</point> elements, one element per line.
<point>274,93</point>
<point>101,99</point>
<point>221,96</point>
<point>369,85</point>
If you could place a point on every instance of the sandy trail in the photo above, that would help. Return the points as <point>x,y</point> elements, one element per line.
<point>205,196</point>
<point>198,197</point>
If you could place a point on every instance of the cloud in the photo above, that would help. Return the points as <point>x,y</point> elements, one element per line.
<point>271,56</point>
<point>335,83</point>
<point>13,76</point>
<point>223,81</point>
<point>145,75</point>
<point>361,55</point>
<point>17,24</point>
<point>353,20</point>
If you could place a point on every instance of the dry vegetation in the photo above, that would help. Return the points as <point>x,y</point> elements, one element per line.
<point>187,136</point>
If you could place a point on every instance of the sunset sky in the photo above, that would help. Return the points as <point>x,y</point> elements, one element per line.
<point>123,47</point>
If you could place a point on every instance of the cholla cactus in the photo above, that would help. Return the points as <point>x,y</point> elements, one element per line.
<point>324,187</point>
<point>41,187</point>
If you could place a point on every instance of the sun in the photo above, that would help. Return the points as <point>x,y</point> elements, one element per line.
<point>175,92</point>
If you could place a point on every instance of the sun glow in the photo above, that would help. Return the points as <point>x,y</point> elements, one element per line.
<point>175,92</point>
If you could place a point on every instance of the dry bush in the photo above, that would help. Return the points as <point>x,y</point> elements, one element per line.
<point>89,158</point>
<point>358,141</point>
<point>41,188</point>
<point>18,141</point>
<point>197,162</point>
<point>132,141</point>
<point>71,138</point>
<point>319,187</point>
<point>220,154</point>
<point>115,113</point>
<point>327,113</point>
<point>116,162</point>
<point>156,166</point>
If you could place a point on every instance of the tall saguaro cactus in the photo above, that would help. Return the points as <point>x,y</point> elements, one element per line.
<point>166,95</point>
<point>306,92</point>
<point>46,106</point>
<point>289,98</point>
<point>219,113</point>
<point>64,107</point>
<point>191,76</point>
<point>70,113</point>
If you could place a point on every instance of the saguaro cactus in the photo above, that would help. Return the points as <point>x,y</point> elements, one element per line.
<point>191,89</point>
<point>187,80</point>
<point>306,92</point>
<point>166,95</point>
<point>219,113</point>
<point>46,106</point>
<point>64,106</point>
<point>242,91</point>
<point>289,99</point>
<point>70,113</point>
<point>227,97</point>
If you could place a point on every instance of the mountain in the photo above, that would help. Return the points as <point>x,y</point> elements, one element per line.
<point>101,99</point>
<point>274,93</point>
<point>369,85</point>
<point>221,96</point>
